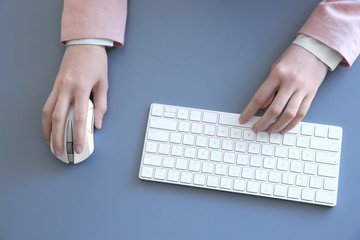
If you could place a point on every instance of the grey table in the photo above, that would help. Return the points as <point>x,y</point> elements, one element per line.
<point>208,54</point>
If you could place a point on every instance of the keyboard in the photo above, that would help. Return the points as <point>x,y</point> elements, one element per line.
<point>212,150</point>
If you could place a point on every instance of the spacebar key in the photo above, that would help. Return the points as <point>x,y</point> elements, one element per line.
<point>161,123</point>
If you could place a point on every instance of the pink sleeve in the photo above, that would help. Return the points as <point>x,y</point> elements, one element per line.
<point>94,19</point>
<point>336,23</point>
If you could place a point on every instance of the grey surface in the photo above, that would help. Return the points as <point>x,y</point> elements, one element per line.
<point>208,54</point>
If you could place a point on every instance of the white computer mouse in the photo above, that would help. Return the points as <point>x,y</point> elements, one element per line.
<point>69,154</point>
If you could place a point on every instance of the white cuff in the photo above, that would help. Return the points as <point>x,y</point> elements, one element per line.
<point>93,41</point>
<point>327,55</point>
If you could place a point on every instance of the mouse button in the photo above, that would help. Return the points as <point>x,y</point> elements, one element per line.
<point>70,158</point>
<point>69,132</point>
<point>90,121</point>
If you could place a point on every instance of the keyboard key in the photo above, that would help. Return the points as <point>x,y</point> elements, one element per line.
<point>228,145</point>
<point>260,175</point>
<point>189,139</point>
<point>196,128</point>
<point>310,168</point>
<point>267,150</point>
<point>327,170</point>
<point>220,169</point>
<point>307,194</point>
<point>247,173</point>
<point>321,131</point>
<point>164,148</point>
<point>162,123</point>
<point>325,144</point>
<point>168,162</point>
<point>207,167</point>
<point>199,179</point>
<point>335,132</point>
<point>266,188</point>
<point>269,163</point>
<point>302,180</point>
<point>262,137</point>
<point>255,161</point>
<point>326,157</point>
<point>152,160</point>
<point>307,129</point>
<point>210,130</point>
<point>240,146</point>
<point>280,191</point>
<point>242,159</point>
<point>151,147</point>
<point>184,126</point>
<point>308,155</point>
<point>249,135</point>
<point>294,192</point>
<point>183,114</point>
<point>147,172</point>
<point>288,178</point>
<point>195,116</point>
<point>296,166</point>
<point>209,117</point>
<point>173,175</point>
<point>330,184</point>
<point>175,138</point>
<point>302,141</point>
<point>229,157</point>
<point>203,154</point>
<point>157,110</point>
<point>274,177</point>
<point>316,182</point>
<point>235,133</point>
<point>239,185</point>
<point>325,197</point>
<point>160,174</point>
<point>216,156</point>
<point>226,183</point>
<point>158,135</point>
<point>181,164</point>
<point>186,177</point>
<point>289,139</point>
<point>214,143</point>
<point>212,181</point>
<point>252,187</point>
<point>194,166</point>
<point>282,165</point>
<point>201,141</point>
<point>254,148</point>
<point>223,131</point>
<point>234,171</point>
<point>276,138</point>
<point>280,152</point>
<point>190,152</point>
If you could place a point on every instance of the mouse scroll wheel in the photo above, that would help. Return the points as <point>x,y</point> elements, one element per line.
<point>69,138</point>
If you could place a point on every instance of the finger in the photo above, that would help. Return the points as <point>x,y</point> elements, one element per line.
<point>268,101</point>
<point>289,113</point>
<point>58,122</point>
<point>266,90</point>
<point>47,114</point>
<point>273,111</point>
<point>305,105</point>
<point>79,121</point>
<point>100,103</point>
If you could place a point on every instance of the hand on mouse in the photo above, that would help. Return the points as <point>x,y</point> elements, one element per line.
<point>83,70</point>
<point>288,91</point>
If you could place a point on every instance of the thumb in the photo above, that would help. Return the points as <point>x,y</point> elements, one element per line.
<point>100,103</point>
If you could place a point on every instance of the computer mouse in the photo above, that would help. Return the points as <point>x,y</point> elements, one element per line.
<point>69,154</point>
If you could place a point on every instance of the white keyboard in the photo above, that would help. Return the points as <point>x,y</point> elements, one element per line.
<point>210,149</point>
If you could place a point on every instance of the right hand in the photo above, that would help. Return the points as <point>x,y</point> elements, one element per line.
<point>83,70</point>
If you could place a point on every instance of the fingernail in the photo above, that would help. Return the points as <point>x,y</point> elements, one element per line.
<point>255,129</point>
<point>78,149</point>
<point>100,123</point>
<point>57,152</point>
<point>241,120</point>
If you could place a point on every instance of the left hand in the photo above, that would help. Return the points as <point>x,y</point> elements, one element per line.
<point>289,89</point>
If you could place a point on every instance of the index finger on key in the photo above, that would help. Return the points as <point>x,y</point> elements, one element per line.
<point>262,96</point>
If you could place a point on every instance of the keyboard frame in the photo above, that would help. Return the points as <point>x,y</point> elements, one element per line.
<point>254,119</point>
